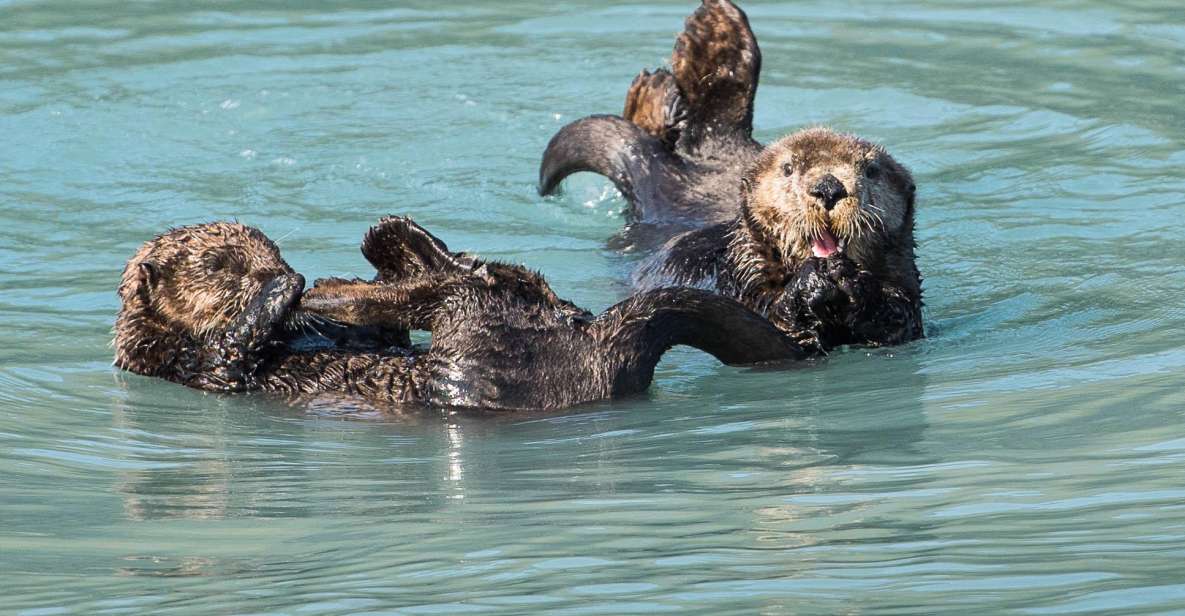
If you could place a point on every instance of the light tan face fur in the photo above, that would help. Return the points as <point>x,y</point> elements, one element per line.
<point>875,212</point>
<point>197,279</point>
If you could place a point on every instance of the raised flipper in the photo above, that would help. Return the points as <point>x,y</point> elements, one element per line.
<point>654,104</point>
<point>716,63</point>
<point>613,147</point>
<point>636,332</point>
<point>399,249</point>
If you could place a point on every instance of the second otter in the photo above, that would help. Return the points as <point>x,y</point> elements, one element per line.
<point>815,230</point>
<point>823,244</point>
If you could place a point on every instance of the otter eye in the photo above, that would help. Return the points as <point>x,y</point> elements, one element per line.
<point>872,171</point>
<point>787,169</point>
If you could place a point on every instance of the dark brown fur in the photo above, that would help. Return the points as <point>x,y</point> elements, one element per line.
<point>755,226</point>
<point>868,293</point>
<point>685,137</point>
<point>501,338</point>
<point>209,306</point>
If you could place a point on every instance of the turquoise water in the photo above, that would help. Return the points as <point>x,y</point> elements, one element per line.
<point>1028,457</point>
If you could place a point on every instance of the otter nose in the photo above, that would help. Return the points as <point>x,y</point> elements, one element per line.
<point>830,190</point>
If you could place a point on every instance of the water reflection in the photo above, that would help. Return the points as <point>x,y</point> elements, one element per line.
<point>254,456</point>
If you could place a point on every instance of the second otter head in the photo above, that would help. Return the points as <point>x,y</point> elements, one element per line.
<point>192,283</point>
<point>818,192</point>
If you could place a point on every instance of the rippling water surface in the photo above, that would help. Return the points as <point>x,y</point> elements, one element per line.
<point>1028,457</point>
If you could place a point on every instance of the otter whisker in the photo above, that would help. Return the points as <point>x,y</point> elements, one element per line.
<point>287,235</point>
<point>882,221</point>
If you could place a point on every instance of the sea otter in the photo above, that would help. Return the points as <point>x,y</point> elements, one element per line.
<point>815,231</point>
<point>214,307</point>
<point>822,245</point>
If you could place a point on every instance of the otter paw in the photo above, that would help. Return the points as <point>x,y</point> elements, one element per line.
<point>814,289</point>
<point>860,287</point>
<point>839,268</point>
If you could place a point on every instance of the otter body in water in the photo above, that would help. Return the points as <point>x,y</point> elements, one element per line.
<point>210,306</point>
<point>814,231</point>
<point>822,244</point>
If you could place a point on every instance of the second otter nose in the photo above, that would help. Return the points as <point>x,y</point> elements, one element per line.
<point>830,190</point>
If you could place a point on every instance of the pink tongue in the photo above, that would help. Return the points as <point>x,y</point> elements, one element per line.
<point>824,246</point>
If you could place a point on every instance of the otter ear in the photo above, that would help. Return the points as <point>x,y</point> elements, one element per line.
<point>746,186</point>
<point>399,248</point>
<point>149,275</point>
<point>483,272</point>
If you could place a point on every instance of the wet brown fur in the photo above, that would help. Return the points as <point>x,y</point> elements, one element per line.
<point>501,338</point>
<point>209,306</point>
<point>184,287</point>
<point>755,222</point>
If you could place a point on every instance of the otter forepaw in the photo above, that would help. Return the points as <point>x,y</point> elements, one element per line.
<point>254,328</point>
<point>814,289</point>
<point>839,268</point>
<point>232,360</point>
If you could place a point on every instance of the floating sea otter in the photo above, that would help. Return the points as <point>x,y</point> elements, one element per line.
<point>814,231</point>
<point>215,307</point>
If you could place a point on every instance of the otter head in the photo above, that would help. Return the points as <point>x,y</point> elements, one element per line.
<point>189,285</point>
<point>818,192</point>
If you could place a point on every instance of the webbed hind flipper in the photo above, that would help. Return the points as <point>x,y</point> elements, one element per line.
<point>399,248</point>
<point>653,103</point>
<point>716,64</point>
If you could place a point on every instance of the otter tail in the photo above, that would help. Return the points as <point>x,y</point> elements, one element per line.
<point>638,331</point>
<point>613,147</point>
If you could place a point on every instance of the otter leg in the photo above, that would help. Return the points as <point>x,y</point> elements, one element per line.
<point>653,103</point>
<point>716,63</point>
<point>409,304</point>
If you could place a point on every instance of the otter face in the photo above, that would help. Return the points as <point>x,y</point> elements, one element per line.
<point>818,192</point>
<point>193,282</point>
